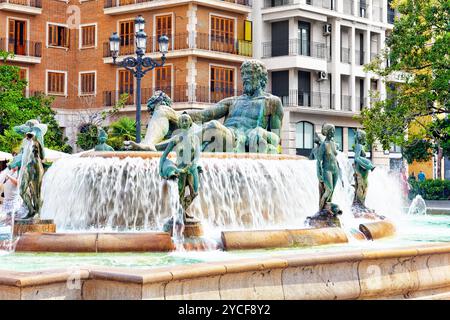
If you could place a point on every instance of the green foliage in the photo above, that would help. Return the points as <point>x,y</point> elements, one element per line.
<point>417,109</point>
<point>417,150</point>
<point>431,189</point>
<point>87,137</point>
<point>122,130</point>
<point>15,109</point>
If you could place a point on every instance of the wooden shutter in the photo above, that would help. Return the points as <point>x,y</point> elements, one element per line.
<point>66,37</point>
<point>11,34</point>
<point>222,83</point>
<point>222,34</point>
<point>127,37</point>
<point>56,83</point>
<point>164,27</point>
<point>87,83</point>
<point>163,79</point>
<point>88,36</point>
<point>126,85</point>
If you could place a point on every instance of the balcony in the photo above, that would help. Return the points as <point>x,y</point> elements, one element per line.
<point>32,7</point>
<point>178,94</point>
<point>114,7</point>
<point>295,47</point>
<point>23,50</point>
<point>311,99</point>
<point>326,4</point>
<point>346,103</point>
<point>345,55</point>
<point>190,41</point>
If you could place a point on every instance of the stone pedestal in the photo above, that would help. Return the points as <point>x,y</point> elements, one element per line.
<point>34,226</point>
<point>193,230</point>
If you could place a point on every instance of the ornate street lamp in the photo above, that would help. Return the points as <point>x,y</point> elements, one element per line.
<point>139,65</point>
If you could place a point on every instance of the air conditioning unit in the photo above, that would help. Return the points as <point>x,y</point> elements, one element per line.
<point>322,76</point>
<point>326,29</point>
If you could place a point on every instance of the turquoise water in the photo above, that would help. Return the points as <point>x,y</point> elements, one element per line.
<point>411,232</point>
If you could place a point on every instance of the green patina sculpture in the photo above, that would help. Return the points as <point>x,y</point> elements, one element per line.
<point>363,167</point>
<point>251,122</point>
<point>328,173</point>
<point>102,138</point>
<point>31,157</point>
<point>186,145</point>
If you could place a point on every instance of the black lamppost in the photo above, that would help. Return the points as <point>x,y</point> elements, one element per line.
<point>138,65</point>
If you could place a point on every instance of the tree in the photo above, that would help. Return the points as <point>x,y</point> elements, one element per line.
<point>415,115</point>
<point>88,130</point>
<point>16,109</point>
<point>122,130</point>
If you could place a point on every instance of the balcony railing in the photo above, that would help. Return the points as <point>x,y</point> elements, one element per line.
<point>307,99</point>
<point>295,47</point>
<point>120,3</point>
<point>359,55</point>
<point>187,40</point>
<point>346,103</point>
<point>327,4</point>
<point>345,55</point>
<point>27,3</point>
<point>21,47</point>
<point>360,103</point>
<point>182,93</point>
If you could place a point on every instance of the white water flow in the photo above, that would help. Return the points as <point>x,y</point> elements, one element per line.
<point>113,194</point>
<point>418,206</point>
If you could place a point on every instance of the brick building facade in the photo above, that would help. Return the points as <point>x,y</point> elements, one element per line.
<point>62,49</point>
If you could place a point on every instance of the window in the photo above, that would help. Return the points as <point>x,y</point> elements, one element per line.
<point>56,83</point>
<point>222,83</point>
<point>58,36</point>
<point>222,34</point>
<point>88,36</point>
<point>304,138</point>
<point>163,79</point>
<point>87,83</point>
<point>339,138</point>
<point>126,30</point>
<point>351,139</point>
<point>126,85</point>
<point>163,27</point>
<point>304,38</point>
<point>17,35</point>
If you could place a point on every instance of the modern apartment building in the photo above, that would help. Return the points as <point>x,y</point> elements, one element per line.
<point>63,51</point>
<point>314,50</point>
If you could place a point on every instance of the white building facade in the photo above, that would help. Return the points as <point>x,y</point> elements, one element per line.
<point>315,51</point>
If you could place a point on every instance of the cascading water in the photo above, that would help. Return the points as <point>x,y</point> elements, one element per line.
<point>85,193</point>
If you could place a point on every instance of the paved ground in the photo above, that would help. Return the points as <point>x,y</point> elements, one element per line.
<point>438,204</point>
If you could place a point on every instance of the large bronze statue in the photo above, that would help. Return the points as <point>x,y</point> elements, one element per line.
<point>363,167</point>
<point>32,168</point>
<point>328,173</point>
<point>252,122</point>
<point>186,145</point>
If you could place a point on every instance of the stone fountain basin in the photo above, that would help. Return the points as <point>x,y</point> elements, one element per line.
<point>162,242</point>
<point>421,272</point>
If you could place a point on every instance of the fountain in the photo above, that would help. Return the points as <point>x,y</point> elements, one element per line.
<point>418,206</point>
<point>167,198</point>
